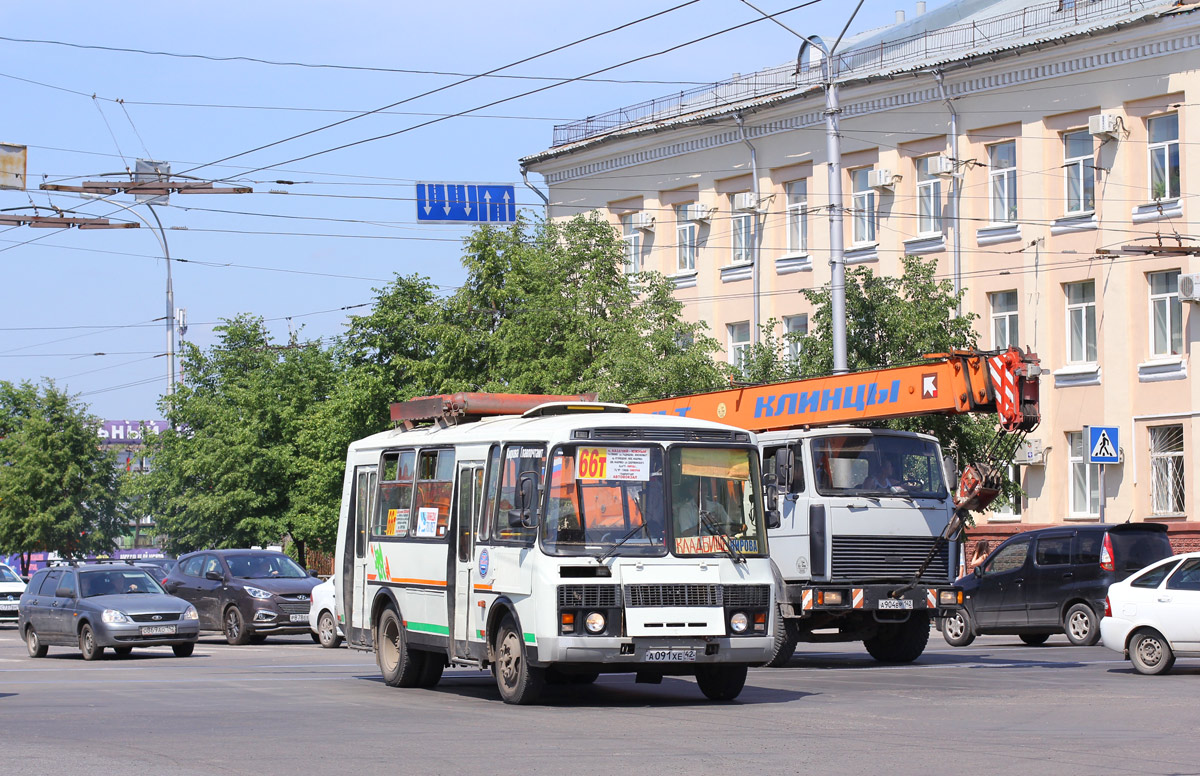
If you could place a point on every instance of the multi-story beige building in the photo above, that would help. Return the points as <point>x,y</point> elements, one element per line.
<point>1060,128</point>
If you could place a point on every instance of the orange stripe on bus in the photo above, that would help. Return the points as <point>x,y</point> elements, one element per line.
<point>405,581</point>
<point>484,587</point>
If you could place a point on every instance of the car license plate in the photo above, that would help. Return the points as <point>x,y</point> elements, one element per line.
<point>158,630</point>
<point>895,603</point>
<point>6,607</point>
<point>670,656</point>
<point>299,618</point>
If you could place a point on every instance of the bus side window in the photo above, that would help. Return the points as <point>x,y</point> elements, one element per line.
<point>484,518</point>
<point>517,461</point>
<point>431,507</point>
<point>395,495</point>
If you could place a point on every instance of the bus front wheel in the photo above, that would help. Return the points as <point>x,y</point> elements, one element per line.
<point>519,682</point>
<point>400,665</point>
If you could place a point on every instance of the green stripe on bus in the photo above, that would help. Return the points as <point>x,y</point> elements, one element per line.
<point>424,627</point>
<point>530,638</point>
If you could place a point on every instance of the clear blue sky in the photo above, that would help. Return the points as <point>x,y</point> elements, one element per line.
<point>289,262</point>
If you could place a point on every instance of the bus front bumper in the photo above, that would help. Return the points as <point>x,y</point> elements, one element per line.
<point>670,653</point>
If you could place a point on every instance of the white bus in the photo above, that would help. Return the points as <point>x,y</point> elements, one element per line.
<point>551,546</point>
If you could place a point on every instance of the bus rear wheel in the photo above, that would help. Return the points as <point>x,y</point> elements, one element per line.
<point>721,683</point>
<point>400,665</point>
<point>519,682</point>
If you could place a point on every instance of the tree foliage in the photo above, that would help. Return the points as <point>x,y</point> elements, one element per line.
<point>58,490</point>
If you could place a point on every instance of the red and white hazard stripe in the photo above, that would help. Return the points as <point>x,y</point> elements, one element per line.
<point>858,598</point>
<point>807,600</point>
<point>1004,386</point>
<point>931,599</point>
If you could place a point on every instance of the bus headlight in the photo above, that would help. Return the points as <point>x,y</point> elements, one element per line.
<point>594,623</point>
<point>739,622</point>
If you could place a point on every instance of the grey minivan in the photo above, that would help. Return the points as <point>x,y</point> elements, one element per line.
<point>94,606</point>
<point>1052,580</point>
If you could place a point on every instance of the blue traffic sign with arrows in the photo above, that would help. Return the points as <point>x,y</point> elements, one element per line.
<point>475,203</point>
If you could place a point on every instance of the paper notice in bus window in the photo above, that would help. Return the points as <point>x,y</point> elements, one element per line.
<point>397,522</point>
<point>427,520</point>
<point>613,463</point>
<point>723,464</point>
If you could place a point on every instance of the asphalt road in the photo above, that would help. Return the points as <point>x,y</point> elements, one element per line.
<point>290,707</point>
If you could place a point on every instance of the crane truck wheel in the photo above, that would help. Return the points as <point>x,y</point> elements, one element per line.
<point>785,642</point>
<point>900,642</point>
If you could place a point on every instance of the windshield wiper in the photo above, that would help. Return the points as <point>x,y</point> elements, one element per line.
<point>715,530</point>
<point>619,542</point>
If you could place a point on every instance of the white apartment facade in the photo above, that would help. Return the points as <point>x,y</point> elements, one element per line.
<point>1075,175</point>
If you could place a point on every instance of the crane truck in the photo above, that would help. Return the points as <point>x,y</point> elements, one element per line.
<point>866,549</point>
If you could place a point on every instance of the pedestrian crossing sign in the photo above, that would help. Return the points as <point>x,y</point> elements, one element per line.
<point>1104,444</point>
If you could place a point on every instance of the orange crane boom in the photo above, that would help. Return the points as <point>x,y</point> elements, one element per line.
<point>1001,382</point>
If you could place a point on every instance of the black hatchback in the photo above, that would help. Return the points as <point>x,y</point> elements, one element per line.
<point>1052,580</point>
<point>246,594</point>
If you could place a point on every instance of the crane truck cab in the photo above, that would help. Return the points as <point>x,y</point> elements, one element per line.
<point>857,551</point>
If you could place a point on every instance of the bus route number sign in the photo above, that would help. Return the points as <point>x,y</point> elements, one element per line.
<point>614,463</point>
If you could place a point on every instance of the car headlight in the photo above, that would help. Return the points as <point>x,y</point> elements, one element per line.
<point>594,622</point>
<point>739,622</point>
<point>191,614</point>
<point>258,592</point>
<point>112,615</point>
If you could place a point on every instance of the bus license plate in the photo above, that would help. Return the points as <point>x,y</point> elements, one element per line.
<point>299,618</point>
<point>670,656</point>
<point>158,630</point>
<point>895,603</point>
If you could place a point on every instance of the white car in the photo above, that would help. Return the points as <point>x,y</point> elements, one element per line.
<point>11,588</point>
<point>323,618</point>
<point>1154,616</point>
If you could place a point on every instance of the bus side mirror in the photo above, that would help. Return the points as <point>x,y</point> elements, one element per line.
<point>524,515</point>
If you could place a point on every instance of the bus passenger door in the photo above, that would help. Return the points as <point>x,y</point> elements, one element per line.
<point>469,494</point>
<point>353,574</point>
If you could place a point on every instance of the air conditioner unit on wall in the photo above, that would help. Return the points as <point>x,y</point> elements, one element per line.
<point>1030,453</point>
<point>745,202</point>
<point>698,212</point>
<point>1189,288</point>
<point>941,165</point>
<point>881,179</point>
<point>1104,124</point>
<point>643,221</point>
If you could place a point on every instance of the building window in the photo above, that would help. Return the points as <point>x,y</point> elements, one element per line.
<point>797,216</point>
<point>685,238</point>
<point>1004,319</point>
<point>1002,180</point>
<point>1166,314</point>
<point>1164,157</point>
<point>1080,168</point>
<point>1081,322</point>
<point>1005,506</point>
<point>1085,479</point>
<point>739,344</point>
<point>864,206</point>
<point>633,244</point>
<point>929,197</point>
<point>742,225</point>
<point>1166,470</point>
<point>796,327</point>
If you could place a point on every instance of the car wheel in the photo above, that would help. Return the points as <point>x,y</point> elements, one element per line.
<point>236,632</point>
<point>519,682</point>
<point>721,683</point>
<point>785,642</point>
<point>900,642</point>
<point>957,629</point>
<point>1150,653</point>
<point>1081,626</point>
<point>327,635</point>
<point>400,665</point>
<point>1034,639</point>
<point>87,644</point>
<point>122,651</point>
<point>183,650</point>
<point>34,644</point>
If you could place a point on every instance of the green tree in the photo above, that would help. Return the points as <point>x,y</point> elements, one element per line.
<point>58,490</point>
<point>223,474</point>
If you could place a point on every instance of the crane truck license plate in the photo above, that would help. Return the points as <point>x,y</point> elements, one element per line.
<point>670,656</point>
<point>895,603</point>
